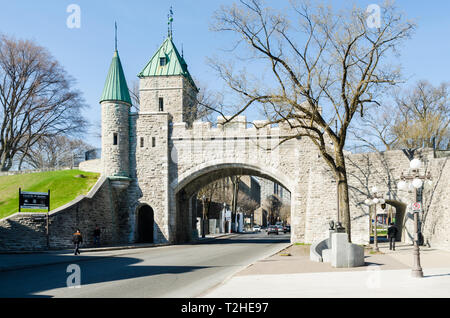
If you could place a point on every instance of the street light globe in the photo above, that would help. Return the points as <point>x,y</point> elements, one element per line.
<point>401,185</point>
<point>415,164</point>
<point>382,201</point>
<point>374,189</point>
<point>368,202</point>
<point>376,200</point>
<point>417,183</point>
<point>429,182</point>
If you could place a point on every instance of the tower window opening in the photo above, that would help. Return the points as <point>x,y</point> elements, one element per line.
<point>161,104</point>
<point>115,139</point>
<point>153,141</point>
<point>162,61</point>
<point>142,142</point>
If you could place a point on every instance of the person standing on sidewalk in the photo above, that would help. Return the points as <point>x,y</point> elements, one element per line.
<point>97,236</point>
<point>77,240</point>
<point>392,235</point>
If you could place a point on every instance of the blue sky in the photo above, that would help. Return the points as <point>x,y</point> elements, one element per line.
<point>86,52</point>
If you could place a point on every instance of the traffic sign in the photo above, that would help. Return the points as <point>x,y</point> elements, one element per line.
<point>417,207</point>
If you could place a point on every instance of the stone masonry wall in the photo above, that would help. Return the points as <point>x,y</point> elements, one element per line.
<point>436,219</point>
<point>94,165</point>
<point>115,158</point>
<point>202,148</point>
<point>170,88</point>
<point>149,170</point>
<point>27,231</point>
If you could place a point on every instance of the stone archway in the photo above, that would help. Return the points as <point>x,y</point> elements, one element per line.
<point>145,224</point>
<point>191,182</point>
<point>400,211</point>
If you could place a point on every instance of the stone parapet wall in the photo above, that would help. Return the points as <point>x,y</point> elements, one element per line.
<point>27,231</point>
<point>238,127</point>
<point>12,173</point>
<point>94,165</point>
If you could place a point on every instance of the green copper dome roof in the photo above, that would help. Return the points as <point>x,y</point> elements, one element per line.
<point>116,88</point>
<point>174,64</point>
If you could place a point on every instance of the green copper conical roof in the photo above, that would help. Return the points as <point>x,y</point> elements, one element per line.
<point>175,63</point>
<point>116,88</point>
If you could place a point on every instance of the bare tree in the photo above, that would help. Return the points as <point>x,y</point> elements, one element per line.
<point>324,58</point>
<point>54,151</point>
<point>36,99</point>
<point>134,94</point>
<point>424,115</point>
<point>374,131</point>
<point>246,204</point>
<point>208,193</point>
<point>416,118</point>
<point>274,205</point>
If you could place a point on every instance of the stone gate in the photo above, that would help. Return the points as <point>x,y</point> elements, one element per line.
<point>155,160</point>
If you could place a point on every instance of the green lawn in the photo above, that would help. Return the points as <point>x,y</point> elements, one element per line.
<point>64,185</point>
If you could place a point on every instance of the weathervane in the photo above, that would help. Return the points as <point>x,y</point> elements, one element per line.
<point>170,23</point>
<point>115,35</point>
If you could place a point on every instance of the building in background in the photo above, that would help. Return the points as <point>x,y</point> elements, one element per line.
<point>275,204</point>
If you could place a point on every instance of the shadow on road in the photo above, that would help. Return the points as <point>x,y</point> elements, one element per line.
<point>93,270</point>
<point>248,238</point>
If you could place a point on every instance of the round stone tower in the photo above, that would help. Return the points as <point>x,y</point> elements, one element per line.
<point>115,103</point>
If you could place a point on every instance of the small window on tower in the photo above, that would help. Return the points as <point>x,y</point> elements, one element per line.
<point>162,61</point>
<point>161,104</point>
<point>153,141</point>
<point>115,139</point>
<point>142,142</point>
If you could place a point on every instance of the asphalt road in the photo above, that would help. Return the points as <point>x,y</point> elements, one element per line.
<point>188,270</point>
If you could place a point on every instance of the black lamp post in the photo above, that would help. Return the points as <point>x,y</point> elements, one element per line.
<point>416,179</point>
<point>374,200</point>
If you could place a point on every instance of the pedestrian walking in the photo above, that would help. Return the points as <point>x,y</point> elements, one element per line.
<point>97,236</point>
<point>392,235</point>
<point>77,240</point>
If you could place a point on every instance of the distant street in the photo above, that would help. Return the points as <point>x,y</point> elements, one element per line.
<point>173,271</point>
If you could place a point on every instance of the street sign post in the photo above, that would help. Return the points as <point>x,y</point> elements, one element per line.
<point>34,200</point>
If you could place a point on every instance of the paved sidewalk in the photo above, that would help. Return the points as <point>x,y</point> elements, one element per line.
<point>387,274</point>
<point>22,260</point>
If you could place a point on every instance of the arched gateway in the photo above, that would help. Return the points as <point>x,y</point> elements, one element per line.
<point>162,156</point>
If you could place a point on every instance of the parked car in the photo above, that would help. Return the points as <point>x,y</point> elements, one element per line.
<point>256,228</point>
<point>272,229</point>
<point>280,228</point>
<point>287,229</point>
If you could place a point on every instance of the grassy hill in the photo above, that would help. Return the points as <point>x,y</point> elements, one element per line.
<point>64,185</point>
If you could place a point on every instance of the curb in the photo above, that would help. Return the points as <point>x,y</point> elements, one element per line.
<point>206,239</point>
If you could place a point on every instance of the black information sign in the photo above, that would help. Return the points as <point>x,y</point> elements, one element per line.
<point>34,200</point>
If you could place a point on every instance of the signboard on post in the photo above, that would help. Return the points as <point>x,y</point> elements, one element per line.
<point>417,207</point>
<point>34,200</point>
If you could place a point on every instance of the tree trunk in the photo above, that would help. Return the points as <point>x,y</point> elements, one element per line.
<point>344,203</point>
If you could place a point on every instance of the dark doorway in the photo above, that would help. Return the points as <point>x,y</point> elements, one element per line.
<point>145,222</point>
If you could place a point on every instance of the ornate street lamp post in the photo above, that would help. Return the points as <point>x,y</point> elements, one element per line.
<point>416,180</point>
<point>373,201</point>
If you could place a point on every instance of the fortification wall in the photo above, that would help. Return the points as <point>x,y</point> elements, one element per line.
<point>436,225</point>
<point>27,231</point>
<point>94,165</point>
